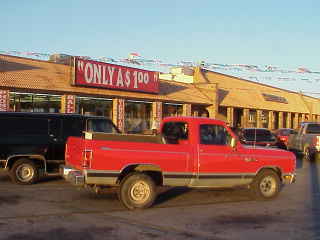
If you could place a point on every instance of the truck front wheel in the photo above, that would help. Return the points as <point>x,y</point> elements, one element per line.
<point>137,191</point>
<point>24,171</point>
<point>266,185</point>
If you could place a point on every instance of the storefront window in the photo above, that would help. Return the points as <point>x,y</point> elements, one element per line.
<point>252,118</point>
<point>94,106</point>
<point>29,102</point>
<point>199,111</point>
<point>138,117</point>
<point>265,119</point>
<point>172,110</point>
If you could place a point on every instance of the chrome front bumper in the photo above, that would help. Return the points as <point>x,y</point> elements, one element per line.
<point>72,175</point>
<point>289,178</point>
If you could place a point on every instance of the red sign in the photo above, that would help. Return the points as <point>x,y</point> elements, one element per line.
<point>104,75</point>
<point>70,104</point>
<point>159,110</point>
<point>120,120</point>
<point>4,100</point>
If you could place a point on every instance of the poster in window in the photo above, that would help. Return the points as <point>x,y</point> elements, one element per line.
<point>70,104</point>
<point>4,100</point>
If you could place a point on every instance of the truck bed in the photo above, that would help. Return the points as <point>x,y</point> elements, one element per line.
<point>125,137</point>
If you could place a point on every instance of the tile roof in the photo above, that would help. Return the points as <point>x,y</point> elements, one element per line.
<point>242,93</point>
<point>29,74</point>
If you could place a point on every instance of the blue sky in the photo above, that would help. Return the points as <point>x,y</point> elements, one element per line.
<point>285,34</point>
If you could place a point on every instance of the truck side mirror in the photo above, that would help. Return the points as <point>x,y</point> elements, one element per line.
<point>233,143</point>
<point>88,135</point>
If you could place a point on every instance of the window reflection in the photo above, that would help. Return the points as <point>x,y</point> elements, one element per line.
<point>94,106</point>
<point>138,117</point>
<point>172,110</point>
<point>30,102</point>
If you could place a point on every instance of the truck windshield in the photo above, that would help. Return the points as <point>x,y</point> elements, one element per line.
<point>313,128</point>
<point>257,134</point>
<point>102,125</point>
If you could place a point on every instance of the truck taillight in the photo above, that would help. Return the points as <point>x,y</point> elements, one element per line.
<point>87,155</point>
<point>283,139</point>
<point>66,153</point>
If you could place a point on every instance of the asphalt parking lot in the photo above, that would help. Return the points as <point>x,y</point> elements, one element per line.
<point>53,209</point>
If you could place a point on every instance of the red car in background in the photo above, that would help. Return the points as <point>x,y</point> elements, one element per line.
<point>282,135</point>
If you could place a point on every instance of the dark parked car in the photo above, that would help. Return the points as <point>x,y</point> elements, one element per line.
<point>33,144</point>
<point>282,135</point>
<point>257,136</point>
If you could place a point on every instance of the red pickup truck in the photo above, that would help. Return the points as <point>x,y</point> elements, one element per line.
<point>191,152</point>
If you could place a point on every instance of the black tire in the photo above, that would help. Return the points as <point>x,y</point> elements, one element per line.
<point>137,191</point>
<point>24,172</point>
<point>266,185</point>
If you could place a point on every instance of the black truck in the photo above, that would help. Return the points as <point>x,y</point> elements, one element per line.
<point>32,145</point>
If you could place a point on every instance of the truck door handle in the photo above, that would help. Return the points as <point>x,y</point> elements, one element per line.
<point>53,138</point>
<point>250,159</point>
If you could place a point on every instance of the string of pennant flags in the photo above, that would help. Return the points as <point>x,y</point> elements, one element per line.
<point>251,72</point>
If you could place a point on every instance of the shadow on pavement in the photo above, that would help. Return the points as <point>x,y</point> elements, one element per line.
<point>170,193</point>
<point>299,162</point>
<point>315,198</point>
<point>47,179</point>
<point>4,177</point>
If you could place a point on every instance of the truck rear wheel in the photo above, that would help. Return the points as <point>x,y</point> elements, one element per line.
<point>137,191</point>
<point>24,171</point>
<point>266,185</point>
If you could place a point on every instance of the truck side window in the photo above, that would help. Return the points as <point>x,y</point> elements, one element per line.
<point>101,125</point>
<point>313,129</point>
<point>175,131</point>
<point>24,126</point>
<point>71,127</point>
<point>214,135</point>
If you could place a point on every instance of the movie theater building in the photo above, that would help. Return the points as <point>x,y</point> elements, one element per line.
<point>133,97</point>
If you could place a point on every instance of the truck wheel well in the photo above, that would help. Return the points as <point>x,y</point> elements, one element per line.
<point>39,162</point>
<point>275,169</point>
<point>151,170</point>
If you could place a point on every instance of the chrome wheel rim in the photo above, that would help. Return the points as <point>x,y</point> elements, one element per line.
<point>140,192</point>
<point>268,186</point>
<point>24,172</point>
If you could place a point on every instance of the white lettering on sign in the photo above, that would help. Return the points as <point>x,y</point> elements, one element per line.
<point>96,74</point>
<point>88,69</point>
<point>146,78</point>
<point>120,79</point>
<point>111,71</point>
<point>127,81</point>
